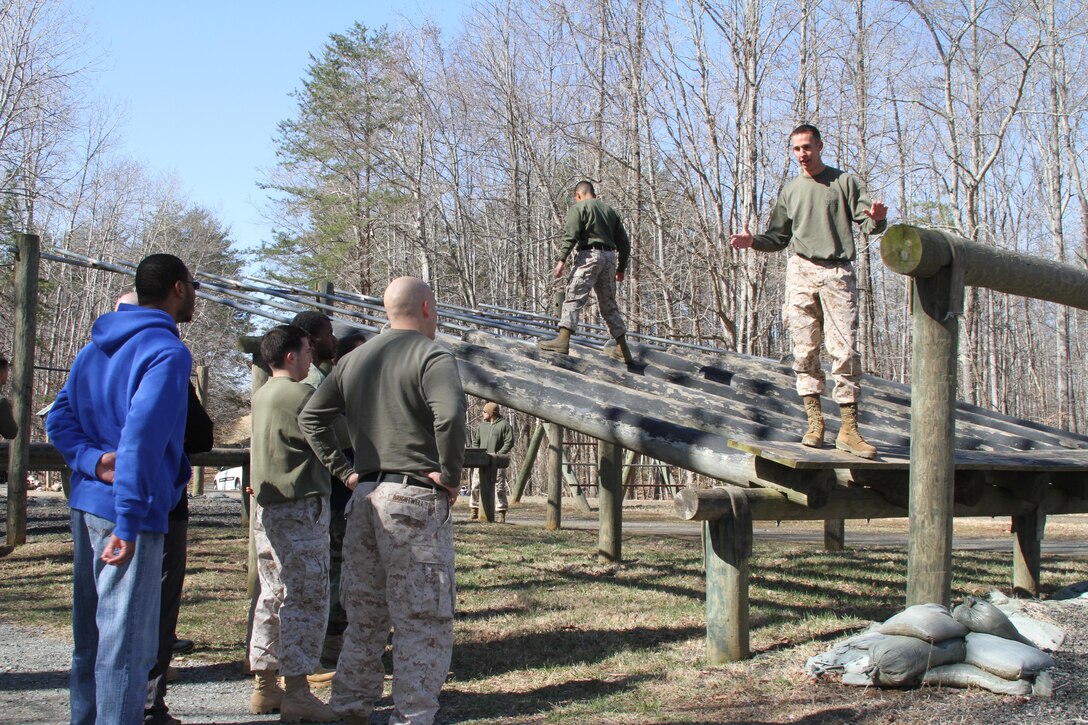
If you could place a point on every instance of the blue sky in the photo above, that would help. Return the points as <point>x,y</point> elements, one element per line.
<point>200,85</point>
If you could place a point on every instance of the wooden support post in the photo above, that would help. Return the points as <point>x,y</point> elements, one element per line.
<point>526,471</point>
<point>609,503</point>
<point>487,491</point>
<point>1027,548</point>
<point>554,520</point>
<point>197,485</point>
<point>932,438</point>
<point>728,542</point>
<point>575,488</point>
<point>25,332</point>
<point>253,584</point>
<point>834,534</point>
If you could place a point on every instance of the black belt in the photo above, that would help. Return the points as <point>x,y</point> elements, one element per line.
<point>407,479</point>
<point>602,247</point>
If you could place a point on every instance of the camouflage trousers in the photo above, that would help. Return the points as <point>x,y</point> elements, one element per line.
<point>822,306</point>
<point>593,270</point>
<point>502,489</point>
<point>398,573</point>
<point>292,542</point>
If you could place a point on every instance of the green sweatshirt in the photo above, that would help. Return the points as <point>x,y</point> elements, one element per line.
<point>405,409</point>
<point>496,436</point>
<point>813,214</point>
<point>282,465</point>
<point>593,222</point>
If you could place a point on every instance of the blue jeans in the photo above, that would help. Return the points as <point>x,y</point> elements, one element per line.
<point>115,618</point>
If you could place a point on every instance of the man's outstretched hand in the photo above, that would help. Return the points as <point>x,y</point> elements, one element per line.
<point>742,240</point>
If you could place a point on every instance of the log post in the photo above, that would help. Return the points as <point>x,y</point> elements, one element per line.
<point>25,332</point>
<point>728,542</point>
<point>1027,547</point>
<point>526,470</point>
<point>487,490</point>
<point>197,485</point>
<point>609,503</point>
<point>834,534</point>
<point>932,438</point>
<point>554,520</point>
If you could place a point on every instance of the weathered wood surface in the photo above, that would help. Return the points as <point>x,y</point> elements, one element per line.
<point>854,502</point>
<point>25,299</point>
<point>919,253</point>
<point>610,503</point>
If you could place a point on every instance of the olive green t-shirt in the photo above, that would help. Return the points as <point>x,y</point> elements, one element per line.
<point>593,222</point>
<point>813,215</point>
<point>282,465</point>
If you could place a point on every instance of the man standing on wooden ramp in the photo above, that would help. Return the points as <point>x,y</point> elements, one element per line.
<point>405,411</point>
<point>814,215</point>
<point>595,231</point>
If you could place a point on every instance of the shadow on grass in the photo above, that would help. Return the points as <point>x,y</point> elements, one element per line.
<point>459,705</point>
<point>472,660</point>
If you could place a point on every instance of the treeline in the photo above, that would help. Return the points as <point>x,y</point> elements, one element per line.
<point>454,157</point>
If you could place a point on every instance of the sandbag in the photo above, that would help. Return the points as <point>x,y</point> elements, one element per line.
<point>931,622</point>
<point>838,659</point>
<point>902,661</point>
<point>979,615</point>
<point>1004,657</point>
<point>965,675</point>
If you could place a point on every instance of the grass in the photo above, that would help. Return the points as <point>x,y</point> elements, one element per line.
<point>546,634</point>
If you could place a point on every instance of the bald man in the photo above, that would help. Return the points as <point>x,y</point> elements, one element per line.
<point>405,410</point>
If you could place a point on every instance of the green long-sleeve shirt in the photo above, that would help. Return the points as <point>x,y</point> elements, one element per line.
<point>593,222</point>
<point>405,409</point>
<point>814,214</point>
<point>282,465</point>
<point>496,436</point>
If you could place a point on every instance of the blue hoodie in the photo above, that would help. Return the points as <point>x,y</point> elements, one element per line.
<point>127,392</point>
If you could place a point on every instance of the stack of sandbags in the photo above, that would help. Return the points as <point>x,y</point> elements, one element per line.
<point>926,644</point>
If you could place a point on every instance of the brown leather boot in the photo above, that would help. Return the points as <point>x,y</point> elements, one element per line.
<point>301,705</point>
<point>621,351</point>
<point>474,513</point>
<point>500,517</point>
<point>267,694</point>
<point>849,438</point>
<point>814,436</point>
<point>560,343</point>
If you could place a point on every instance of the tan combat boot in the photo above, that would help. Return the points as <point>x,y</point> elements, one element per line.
<point>267,695</point>
<point>474,513</point>
<point>621,351</point>
<point>814,436</point>
<point>500,517</point>
<point>301,705</point>
<point>850,439</point>
<point>560,343</point>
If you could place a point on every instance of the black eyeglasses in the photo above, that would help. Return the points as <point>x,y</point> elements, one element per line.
<point>194,283</point>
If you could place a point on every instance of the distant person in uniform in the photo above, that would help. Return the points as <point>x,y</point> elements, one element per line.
<point>8,427</point>
<point>405,411</point>
<point>496,436</point>
<point>601,248</point>
<point>120,424</point>
<point>291,534</point>
<point>814,216</point>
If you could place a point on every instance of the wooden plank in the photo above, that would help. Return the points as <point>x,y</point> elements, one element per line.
<point>727,604</point>
<point>610,502</point>
<point>1027,529</point>
<point>526,471</point>
<point>554,515</point>
<point>25,299</point>
<point>795,455</point>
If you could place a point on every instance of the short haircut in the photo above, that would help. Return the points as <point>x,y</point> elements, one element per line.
<point>348,342</point>
<point>279,341</point>
<point>311,321</point>
<point>585,188</point>
<point>156,276</point>
<point>806,128</point>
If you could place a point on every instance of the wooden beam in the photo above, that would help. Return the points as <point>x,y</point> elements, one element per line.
<point>526,471</point>
<point>24,335</point>
<point>834,534</point>
<point>196,486</point>
<point>1031,487</point>
<point>921,253</point>
<point>574,487</point>
<point>803,487</point>
<point>487,474</point>
<point>728,542</point>
<point>609,503</point>
<point>1027,529</point>
<point>554,516</point>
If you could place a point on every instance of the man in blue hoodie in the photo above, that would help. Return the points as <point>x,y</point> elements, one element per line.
<point>119,421</point>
